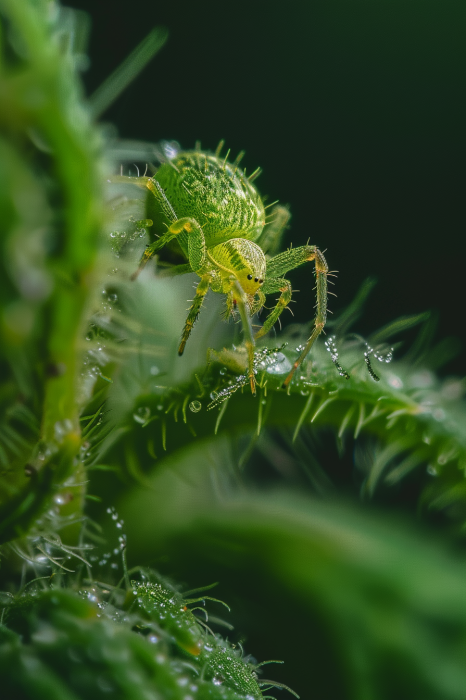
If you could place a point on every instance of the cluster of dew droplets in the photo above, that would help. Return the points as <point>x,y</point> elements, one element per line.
<point>378,356</point>
<point>119,522</point>
<point>137,229</point>
<point>109,301</point>
<point>218,397</point>
<point>108,558</point>
<point>330,345</point>
<point>97,355</point>
<point>272,361</point>
<point>94,595</point>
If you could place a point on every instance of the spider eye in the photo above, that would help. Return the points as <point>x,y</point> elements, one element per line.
<point>249,277</point>
<point>261,281</point>
<point>256,279</point>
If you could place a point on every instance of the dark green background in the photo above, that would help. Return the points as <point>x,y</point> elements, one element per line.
<point>354,109</point>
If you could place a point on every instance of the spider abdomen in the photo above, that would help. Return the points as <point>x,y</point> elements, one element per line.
<point>214,193</point>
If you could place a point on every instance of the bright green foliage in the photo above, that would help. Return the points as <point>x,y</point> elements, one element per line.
<point>62,647</point>
<point>225,664</point>
<point>47,145</point>
<point>170,610</point>
<point>97,409</point>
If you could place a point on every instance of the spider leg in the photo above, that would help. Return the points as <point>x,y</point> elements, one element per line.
<point>185,225</point>
<point>280,265</point>
<point>272,285</point>
<point>257,303</point>
<point>240,298</point>
<point>321,269</point>
<point>201,290</point>
<point>196,244</point>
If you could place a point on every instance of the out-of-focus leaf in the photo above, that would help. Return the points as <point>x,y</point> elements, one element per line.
<point>393,603</point>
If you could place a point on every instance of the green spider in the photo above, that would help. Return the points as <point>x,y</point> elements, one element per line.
<point>218,219</point>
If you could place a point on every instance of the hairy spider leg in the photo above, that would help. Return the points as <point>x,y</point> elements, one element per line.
<point>242,304</point>
<point>271,285</point>
<point>196,240</point>
<point>274,282</point>
<point>321,269</point>
<point>196,244</point>
<point>201,290</point>
<point>240,301</point>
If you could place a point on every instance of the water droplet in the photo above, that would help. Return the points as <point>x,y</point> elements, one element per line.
<point>280,365</point>
<point>195,406</point>
<point>214,395</point>
<point>154,370</point>
<point>142,414</point>
<point>431,470</point>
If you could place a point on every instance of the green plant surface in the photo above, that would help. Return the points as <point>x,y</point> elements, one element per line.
<point>112,447</point>
<point>391,597</point>
<point>59,645</point>
<point>416,419</point>
<point>50,239</point>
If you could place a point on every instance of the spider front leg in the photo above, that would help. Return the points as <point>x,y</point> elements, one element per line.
<point>196,244</point>
<point>187,225</point>
<point>278,266</point>
<point>240,301</point>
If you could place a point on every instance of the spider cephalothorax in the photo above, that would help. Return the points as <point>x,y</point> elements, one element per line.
<point>217,217</point>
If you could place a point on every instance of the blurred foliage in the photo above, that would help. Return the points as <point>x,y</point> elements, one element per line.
<point>113,446</point>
